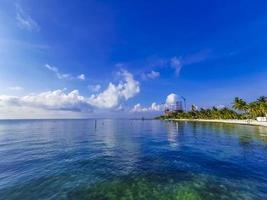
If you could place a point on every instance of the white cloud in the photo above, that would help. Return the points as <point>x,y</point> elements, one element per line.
<point>130,87</point>
<point>137,108</point>
<point>153,108</point>
<point>94,88</point>
<point>16,88</point>
<point>81,77</point>
<point>25,21</point>
<point>151,75</point>
<point>9,100</point>
<point>51,68</point>
<point>176,64</point>
<point>115,94</point>
<point>171,99</point>
<point>63,104</point>
<point>64,76</point>
<point>156,107</point>
<point>173,63</point>
<point>58,74</point>
<point>109,98</point>
<point>220,106</point>
<point>61,100</point>
<point>51,100</point>
<point>58,100</point>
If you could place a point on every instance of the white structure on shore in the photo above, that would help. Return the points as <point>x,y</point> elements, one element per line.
<point>262,119</point>
<point>174,103</point>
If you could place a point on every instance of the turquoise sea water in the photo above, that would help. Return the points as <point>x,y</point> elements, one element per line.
<point>131,159</point>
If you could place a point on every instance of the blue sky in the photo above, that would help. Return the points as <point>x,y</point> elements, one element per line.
<point>121,55</point>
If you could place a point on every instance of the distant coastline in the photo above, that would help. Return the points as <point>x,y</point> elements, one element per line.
<point>253,113</point>
<point>229,121</point>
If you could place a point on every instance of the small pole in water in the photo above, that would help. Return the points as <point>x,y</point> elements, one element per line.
<point>95,124</point>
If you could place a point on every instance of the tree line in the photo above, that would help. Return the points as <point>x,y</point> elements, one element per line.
<point>240,110</point>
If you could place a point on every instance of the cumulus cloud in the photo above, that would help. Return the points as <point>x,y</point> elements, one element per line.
<point>113,95</point>
<point>81,77</point>
<point>154,107</point>
<point>64,76</point>
<point>58,100</point>
<point>25,21</point>
<point>137,108</point>
<point>150,75</point>
<point>61,100</point>
<point>51,100</point>
<point>6,100</point>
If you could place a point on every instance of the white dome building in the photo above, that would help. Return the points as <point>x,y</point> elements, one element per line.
<point>174,103</point>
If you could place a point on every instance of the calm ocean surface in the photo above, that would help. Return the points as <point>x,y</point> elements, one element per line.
<point>131,159</point>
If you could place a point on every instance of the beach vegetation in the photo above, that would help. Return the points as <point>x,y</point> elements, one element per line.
<point>240,109</point>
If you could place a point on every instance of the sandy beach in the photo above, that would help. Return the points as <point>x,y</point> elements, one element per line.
<point>230,121</point>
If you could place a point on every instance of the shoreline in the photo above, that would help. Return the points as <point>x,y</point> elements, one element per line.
<point>228,121</point>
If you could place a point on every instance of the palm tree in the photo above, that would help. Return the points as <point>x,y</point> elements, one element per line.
<point>262,99</point>
<point>262,106</point>
<point>253,109</point>
<point>240,104</point>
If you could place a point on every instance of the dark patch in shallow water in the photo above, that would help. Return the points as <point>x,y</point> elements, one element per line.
<point>128,189</point>
<point>144,189</point>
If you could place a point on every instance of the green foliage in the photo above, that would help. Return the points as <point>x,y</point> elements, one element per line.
<point>144,188</point>
<point>242,110</point>
<point>258,108</point>
<point>240,104</point>
<point>213,113</point>
<point>139,190</point>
